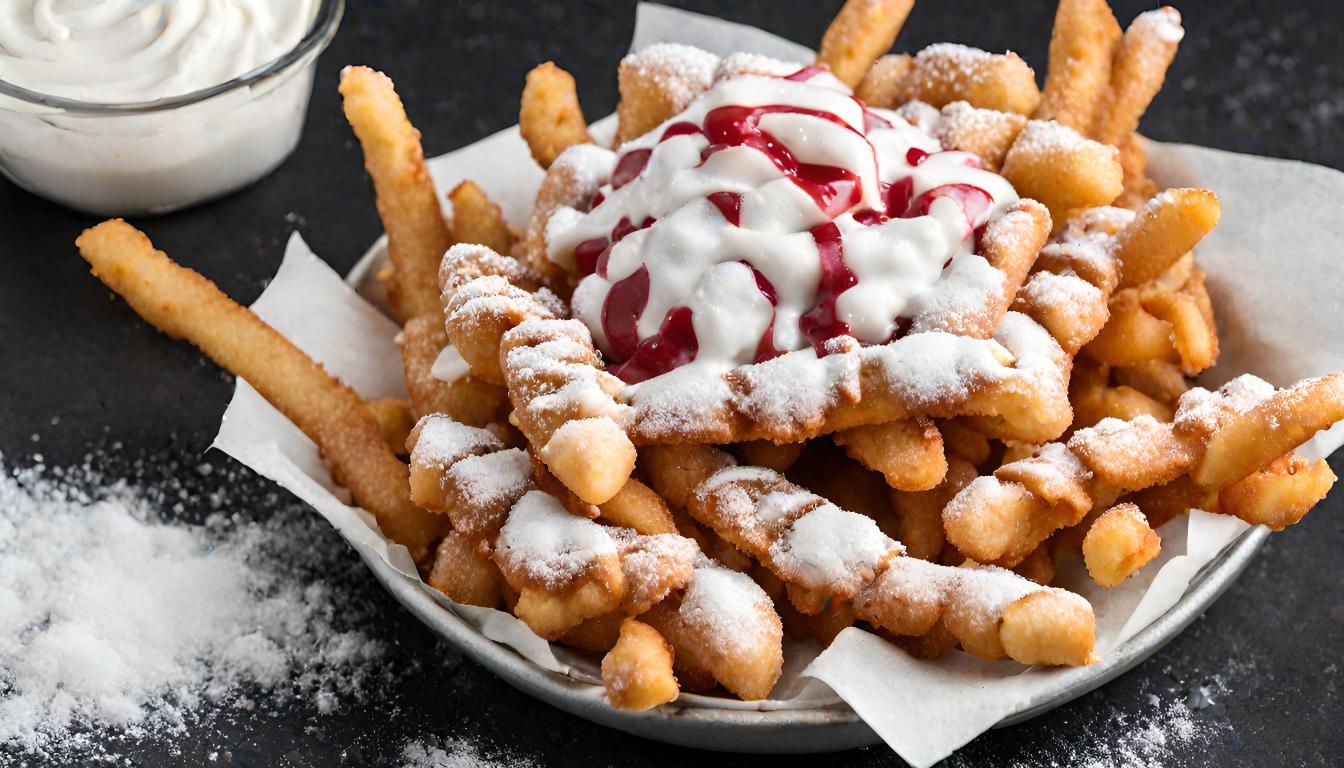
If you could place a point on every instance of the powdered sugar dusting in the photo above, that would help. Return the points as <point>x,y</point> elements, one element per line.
<point>927,369</point>
<point>1053,473</point>
<point>742,63</point>
<point>749,506</point>
<point>988,589</point>
<point>1086,247</point>
<point>441,442</point>
<point>1065,292</point>
<point>794,387</point>
<point>960,118</point>
<point>951,59</point>
<point>464,262</point>
<point>1124,442</point>
<point>832,549</point>
<point>491,479</point>
<point>681,71</point>
<point>547,544</point>
<point>589,167</point>
<point>494,295</point>
<point>1051,139</point>
<point>654,565</point>
<point>1205,411</point>
<point>677,402</point>
<point>729,610</point>
<point>980,590</point>
<point>563,371</point>
<point>967,288</point>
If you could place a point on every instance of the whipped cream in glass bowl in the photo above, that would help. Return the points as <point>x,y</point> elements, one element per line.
<point>119,107</point>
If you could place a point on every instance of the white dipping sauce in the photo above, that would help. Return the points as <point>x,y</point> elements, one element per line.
<point>118,51</point>
<point>131,51</point>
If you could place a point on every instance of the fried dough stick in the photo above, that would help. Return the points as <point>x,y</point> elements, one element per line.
<point>549,117</point>
<point>908,452</point>
<point>862,31</point>
<point>417,234</point>
<point>478,220</point>
<point>827,556</point>
<point>1219,440</point>
<point>184,305</point>
<point>657,83</point>
<point>1082,47</point>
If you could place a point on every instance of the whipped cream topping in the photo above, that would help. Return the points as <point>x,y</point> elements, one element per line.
<point>113,51</point>
<point>774,214</point>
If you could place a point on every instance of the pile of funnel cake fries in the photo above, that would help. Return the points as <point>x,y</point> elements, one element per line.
<point>869,340</point>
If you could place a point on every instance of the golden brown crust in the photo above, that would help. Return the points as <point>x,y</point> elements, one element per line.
<point>882,84</point>
<point>862,31</point>
<point>184,305</point>
<point>945,73</point>
<point>408,205</point>
<point>1140,67</point>
<point>477,220</point>
<point>550,118</point>
<point>1082,46</point>
<point>468,399</point>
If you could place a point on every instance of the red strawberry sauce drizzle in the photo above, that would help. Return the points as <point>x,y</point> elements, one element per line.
<point>729,204</point>
<point>833,189</point>
<point>805,74</point>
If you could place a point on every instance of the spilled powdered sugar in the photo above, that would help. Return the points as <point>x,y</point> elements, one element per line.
<point>1158,733</point>
<point>458,753</point>
<point>114,622</point>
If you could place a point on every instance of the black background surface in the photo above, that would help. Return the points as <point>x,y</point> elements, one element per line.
<point>78,370</point>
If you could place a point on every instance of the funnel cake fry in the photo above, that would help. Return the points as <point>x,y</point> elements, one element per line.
<point>184,305</point>
<point>417,234</point>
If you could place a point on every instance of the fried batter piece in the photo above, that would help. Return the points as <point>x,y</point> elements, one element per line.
<point>823,554</point>
<point>550,118</point>
<point>417,234</point>
<point>637,672</point>
<point>862,31</point>
<point>566,406</point>
<point>1215,440</point>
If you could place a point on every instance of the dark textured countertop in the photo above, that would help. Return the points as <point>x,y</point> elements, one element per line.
<point>1258,674</point>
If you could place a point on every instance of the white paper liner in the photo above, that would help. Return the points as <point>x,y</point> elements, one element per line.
<point>1273,322</point>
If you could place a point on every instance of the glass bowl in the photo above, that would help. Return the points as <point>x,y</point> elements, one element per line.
<point>157,156</point>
